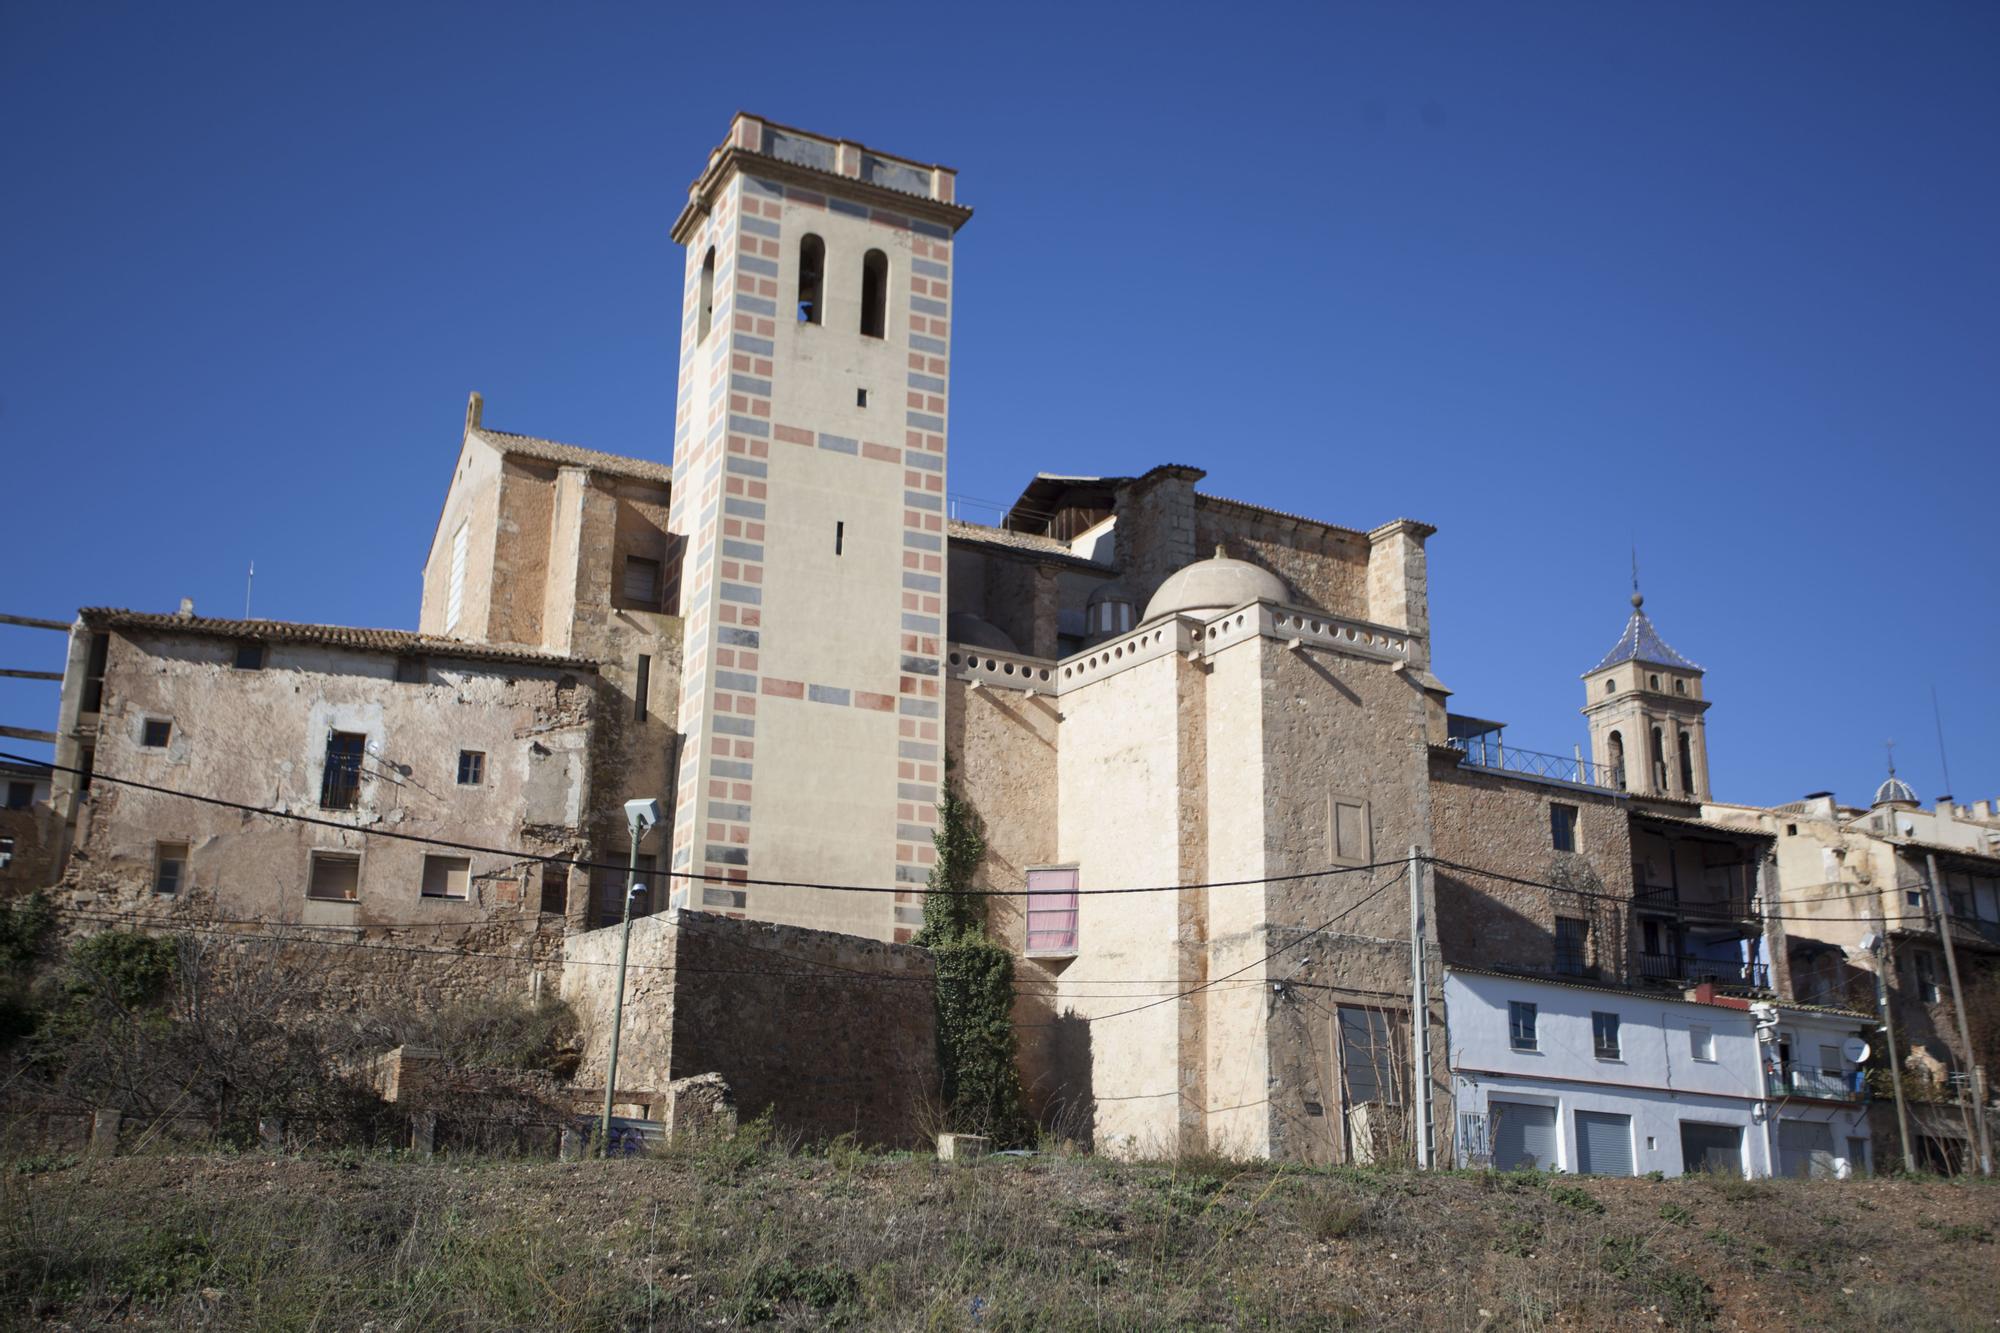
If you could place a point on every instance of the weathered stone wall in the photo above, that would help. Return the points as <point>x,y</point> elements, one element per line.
<point>1501,822</point>
<point>831,1033</point>
<point>36,837</point>
<point>1351,729</point>
<point>473,499</point>
<point>521,563</point>
<point>1326,568</point>
<point>259,738</point>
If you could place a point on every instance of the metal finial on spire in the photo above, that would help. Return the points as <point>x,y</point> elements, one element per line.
<point>1890,746</point>
<point>1637,600</point>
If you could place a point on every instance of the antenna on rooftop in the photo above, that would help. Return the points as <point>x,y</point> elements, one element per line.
<point>1937,715</point>
<point>248,583</point>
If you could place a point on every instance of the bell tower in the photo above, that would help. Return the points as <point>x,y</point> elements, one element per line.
<point>1644,704</point>
<point>809,464</point>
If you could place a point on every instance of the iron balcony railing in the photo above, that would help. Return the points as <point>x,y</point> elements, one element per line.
<point>1691,970</point>
<point>1486,752</point>
<point>1715,904</point>
<point>1839,1085</point>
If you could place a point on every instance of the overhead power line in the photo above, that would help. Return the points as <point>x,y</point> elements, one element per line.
<point>545,858</point>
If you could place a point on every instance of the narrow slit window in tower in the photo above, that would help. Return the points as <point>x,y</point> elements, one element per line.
<point>1659,761</point>
<point>707,296</point>
<point>812,280</point>
<point>1687,765</point>
<point>874,295</point>
<point>1615,751</point>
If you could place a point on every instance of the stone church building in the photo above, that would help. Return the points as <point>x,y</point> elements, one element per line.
<point>784,633</point>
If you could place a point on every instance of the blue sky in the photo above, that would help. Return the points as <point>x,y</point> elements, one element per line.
<point>1716,280</point>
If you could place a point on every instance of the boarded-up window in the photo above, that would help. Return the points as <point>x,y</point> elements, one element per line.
<point>334,876</point>
<point>1052,908</point>
<point>169,866</point>
<point>1347,830</point>
<point>454,596</point>
<point>447,876</point>
<point>642,581</point>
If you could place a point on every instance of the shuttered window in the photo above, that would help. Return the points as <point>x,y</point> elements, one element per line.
<point>1524,1136</point>
<point>642,581</point>
<point>1603,1144</point>
<point>1052,911</point>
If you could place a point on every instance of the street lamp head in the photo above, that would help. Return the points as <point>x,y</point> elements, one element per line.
<point>1872,942</point>
<point>641,815</point>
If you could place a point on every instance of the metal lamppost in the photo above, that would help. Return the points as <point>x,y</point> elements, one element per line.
<point>1877,944</point>
<point>640,817</point>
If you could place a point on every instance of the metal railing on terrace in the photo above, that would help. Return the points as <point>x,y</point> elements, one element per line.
<point>1734,904</point>
<point>1693,971</point>
<point>1488,752</point>
<point>1838,1085</point>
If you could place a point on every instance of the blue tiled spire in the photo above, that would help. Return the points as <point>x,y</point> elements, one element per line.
<point>1640,642</point>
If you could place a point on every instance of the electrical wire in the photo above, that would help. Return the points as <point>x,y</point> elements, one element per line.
<point>518,854</point>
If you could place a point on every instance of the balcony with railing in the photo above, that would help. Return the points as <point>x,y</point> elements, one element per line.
<point>1488,751</point>
<point>1836,1085</point>
<point>1686,969</point>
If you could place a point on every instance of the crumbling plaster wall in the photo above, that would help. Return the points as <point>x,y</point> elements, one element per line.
<point>259,738</point>
<point>831,1033</point>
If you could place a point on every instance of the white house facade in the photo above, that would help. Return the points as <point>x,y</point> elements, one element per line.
<point>1605,1081</point>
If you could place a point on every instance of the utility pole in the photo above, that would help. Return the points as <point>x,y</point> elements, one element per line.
<point>1958,1007</point>
<point>1878,944</point>
<point>1420,1011</point>
<point>640,816</point>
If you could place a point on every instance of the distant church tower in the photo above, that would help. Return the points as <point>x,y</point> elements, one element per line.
<point>1644,704</point>
<point>809,463</point>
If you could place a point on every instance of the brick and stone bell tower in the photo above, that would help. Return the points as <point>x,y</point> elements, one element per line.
<point>809,464</point>
<point>1644,703</point>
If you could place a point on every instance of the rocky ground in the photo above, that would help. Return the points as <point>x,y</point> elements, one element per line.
<point>737,1232</point>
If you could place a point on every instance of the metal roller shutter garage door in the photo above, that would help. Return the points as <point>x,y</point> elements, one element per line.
<point>1523,1135</point>
<point>1805,1148</point>
<point>1603,1144</point>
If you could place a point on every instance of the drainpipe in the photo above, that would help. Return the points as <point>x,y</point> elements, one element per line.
<point>1958,1006</point>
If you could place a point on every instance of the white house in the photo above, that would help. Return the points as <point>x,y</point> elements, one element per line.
<point>1606,1081</point>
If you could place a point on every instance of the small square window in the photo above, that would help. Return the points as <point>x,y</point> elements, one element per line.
<point>471,768</point>
<point>861,397</point>
<point>1562,826</point>
<point>447,876</point>
<point>334,877</point>
<point>156,734</point>
<point>409,671</point>
<point>169,866</point>
<point>250,656</point>
<point>1604,1034</point>
<point>1521,1025</point>
<point>20,795</point>
<point>1701,1043</point>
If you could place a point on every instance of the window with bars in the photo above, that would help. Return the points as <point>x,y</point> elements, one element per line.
<point>1052,911</point>
<point>1572,945</point>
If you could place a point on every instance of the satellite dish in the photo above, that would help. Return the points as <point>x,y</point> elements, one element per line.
<point>1855,1051</point>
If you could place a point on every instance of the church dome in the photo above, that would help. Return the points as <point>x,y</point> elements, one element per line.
<point>962,627</point>
<point>1212,586</point>
<point>1895,791</point>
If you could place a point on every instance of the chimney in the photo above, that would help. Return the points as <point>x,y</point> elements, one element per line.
<point>187,609</point>
<point>474,406</point>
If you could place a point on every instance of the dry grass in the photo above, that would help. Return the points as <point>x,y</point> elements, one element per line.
<point>752,1230</point>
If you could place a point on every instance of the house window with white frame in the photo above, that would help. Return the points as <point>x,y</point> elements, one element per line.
<point>1521,1026</point>
<point>1604,1035</point>
<point>1701,1043</point>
